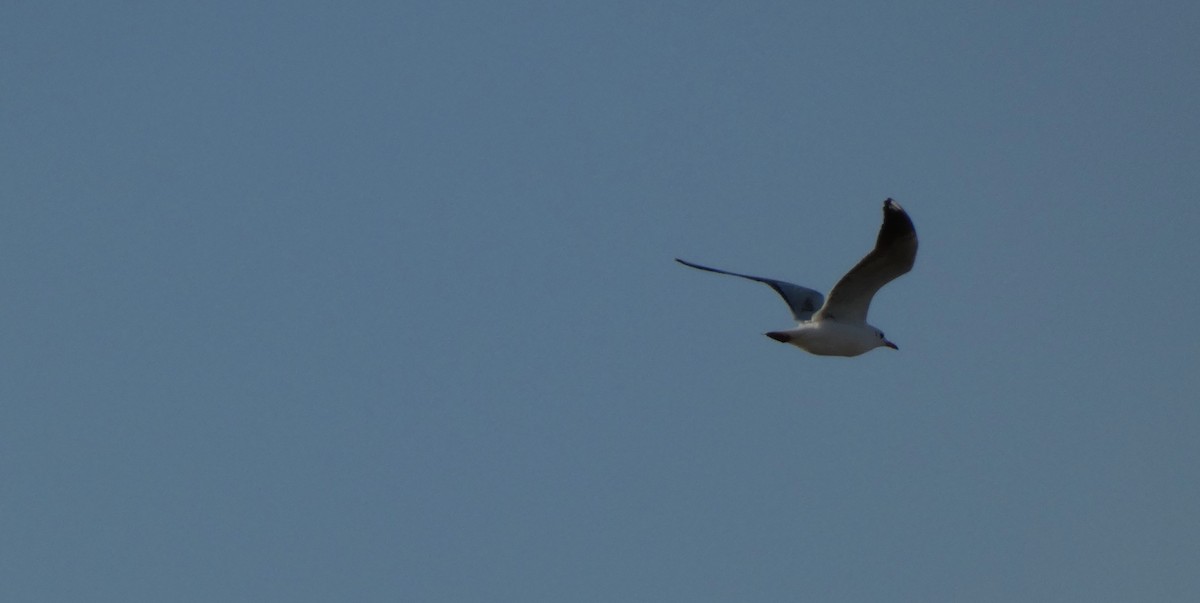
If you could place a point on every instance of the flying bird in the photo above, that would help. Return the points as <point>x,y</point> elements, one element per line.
<point>837,326</point>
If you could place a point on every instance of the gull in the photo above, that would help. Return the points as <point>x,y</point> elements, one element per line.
<point>837,326</point>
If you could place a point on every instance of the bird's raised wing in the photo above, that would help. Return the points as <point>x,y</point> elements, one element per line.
<point>894,254</point>
<point>802,300</point>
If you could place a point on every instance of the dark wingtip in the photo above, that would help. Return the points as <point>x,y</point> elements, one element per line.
<point>779,336</point>
<point>896,223</point>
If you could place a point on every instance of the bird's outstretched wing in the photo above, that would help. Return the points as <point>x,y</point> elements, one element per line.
<point>894,254</point>
<point>802,300</point>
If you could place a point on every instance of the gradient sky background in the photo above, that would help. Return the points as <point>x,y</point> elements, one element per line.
<point>375,301</point>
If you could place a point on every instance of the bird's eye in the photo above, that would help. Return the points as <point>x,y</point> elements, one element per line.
<point>881,334</point>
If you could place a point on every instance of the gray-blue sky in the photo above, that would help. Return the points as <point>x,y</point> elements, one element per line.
<point>374,301</point>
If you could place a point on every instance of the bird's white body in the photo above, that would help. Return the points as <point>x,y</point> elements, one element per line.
<point>832,338</point>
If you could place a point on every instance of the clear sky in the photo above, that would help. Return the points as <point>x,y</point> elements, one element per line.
<point>375,301</point>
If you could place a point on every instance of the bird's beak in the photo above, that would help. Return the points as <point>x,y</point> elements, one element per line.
<point>890,344</point>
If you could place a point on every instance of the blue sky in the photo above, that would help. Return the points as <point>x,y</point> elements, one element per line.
<point>375,301</point>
